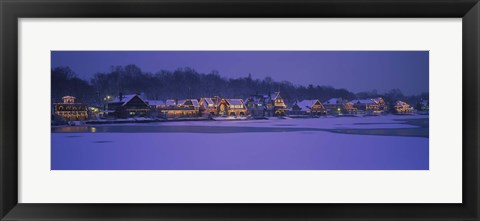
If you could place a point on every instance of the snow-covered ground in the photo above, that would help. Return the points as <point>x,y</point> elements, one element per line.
<point>240,151</point>
<point>184,149</point>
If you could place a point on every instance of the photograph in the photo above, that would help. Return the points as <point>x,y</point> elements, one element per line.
<point>239,110</point>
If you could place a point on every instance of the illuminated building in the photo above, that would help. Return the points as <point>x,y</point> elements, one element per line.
<point>231,107</point>
<point>339,106</point>
<point>402,108</point>
<point>180,108</point>
<point>308,107</point>
<point>125,106</point>
<point>71,111</point>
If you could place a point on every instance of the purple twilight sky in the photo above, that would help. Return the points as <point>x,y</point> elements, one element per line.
<point>353,70</point>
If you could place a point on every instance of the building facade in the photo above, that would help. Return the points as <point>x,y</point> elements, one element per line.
<point>71,111</point>
<point>274,104</point>
<point>339,106</point>
<point>231,107</point>
<point>180,109</point>
<point>402,108</point>
<point>125,106</point>
<point>375,105</point>
<point>208,106</point>
<point>308,107</point>
<point>256,106</point>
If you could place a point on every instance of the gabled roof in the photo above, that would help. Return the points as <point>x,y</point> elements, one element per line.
<point>363,101</point>
<point>208,100</point>
<point>401,103</point>
<point>377,100</point>
<point>195,103</point>
<point>272,96</point>
<point>125,99</point>
<point>181,102</point>
<point>234,101</point>
<point>275,95</point>
<point>337,100</point>
<point>306,105</point>
<point>186,102</point>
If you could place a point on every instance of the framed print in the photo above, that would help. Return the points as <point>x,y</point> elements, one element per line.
<point>319,110</point>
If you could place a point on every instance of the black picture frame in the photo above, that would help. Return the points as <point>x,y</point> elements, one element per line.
<point>12,10</point>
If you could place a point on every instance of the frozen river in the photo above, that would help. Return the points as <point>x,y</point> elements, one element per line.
<point>329,143</point>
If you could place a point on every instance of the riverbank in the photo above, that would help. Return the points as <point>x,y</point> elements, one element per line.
<point>393,125</point>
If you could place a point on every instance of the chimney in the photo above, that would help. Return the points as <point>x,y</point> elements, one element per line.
<point>120,96</point>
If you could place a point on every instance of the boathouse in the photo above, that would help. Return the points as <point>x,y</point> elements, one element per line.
<point>371,104</point>
<point>256,105</point>
<point>402,108</point>
<point>275,105</point>
<point>125,106</point>
<point>308,107</point>
<point>231,107</point>
<point>180,109</point>
<point>71,111</point>
<point>339,106</point>
<point>208,106</point>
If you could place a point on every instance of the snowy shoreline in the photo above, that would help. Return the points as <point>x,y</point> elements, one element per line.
<point>410,126</point>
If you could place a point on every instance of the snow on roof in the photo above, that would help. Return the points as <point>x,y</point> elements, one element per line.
<point>181,102</point>
<point>306,105</point>
<point>188,101</point>
<point>156,102</point>
<point>271,96</point>
<point>195,103</point>
<point>125,99</point>
<point>401,103</point>
<point>275,95</point>
<point>235,101</point>
<point>376,100</point>
<point>170,103</point>
<point>363,101</point>
<point>334,101</point>
<point>208,100</point>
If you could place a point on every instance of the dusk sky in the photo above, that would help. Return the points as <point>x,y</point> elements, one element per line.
<point>355,71</point>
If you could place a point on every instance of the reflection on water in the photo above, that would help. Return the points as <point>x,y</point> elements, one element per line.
<point>421,131</point>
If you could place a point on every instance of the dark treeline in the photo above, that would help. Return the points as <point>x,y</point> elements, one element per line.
<point>187,83</point>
